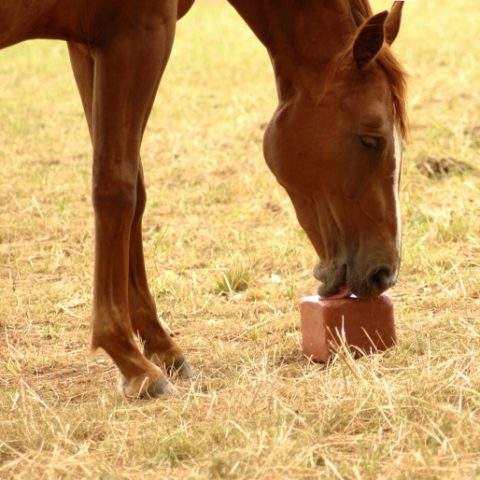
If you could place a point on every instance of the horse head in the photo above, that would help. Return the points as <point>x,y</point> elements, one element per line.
<point>335,145</point>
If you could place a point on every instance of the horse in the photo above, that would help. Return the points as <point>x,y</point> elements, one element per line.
<point>333,143</point>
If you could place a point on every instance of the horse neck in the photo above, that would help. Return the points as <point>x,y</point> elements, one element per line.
<point>318,32</point>
<point>302,36</point>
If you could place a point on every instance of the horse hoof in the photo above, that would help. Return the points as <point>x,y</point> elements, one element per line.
<point>160,388</point>
<point>181,367</point>
<point>144,387</point>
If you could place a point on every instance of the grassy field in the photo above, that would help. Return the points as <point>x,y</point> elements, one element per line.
<point>257,408</point>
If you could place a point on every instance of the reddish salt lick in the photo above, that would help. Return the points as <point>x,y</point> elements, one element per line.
<point>364,325</point>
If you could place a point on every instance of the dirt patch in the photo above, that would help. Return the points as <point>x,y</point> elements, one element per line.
<point>438,168</point>
<point>474,133</point>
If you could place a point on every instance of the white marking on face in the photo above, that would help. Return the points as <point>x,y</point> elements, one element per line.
<point>397,141</point>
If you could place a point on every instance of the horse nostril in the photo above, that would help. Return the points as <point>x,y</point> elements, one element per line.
<point>381,278</point>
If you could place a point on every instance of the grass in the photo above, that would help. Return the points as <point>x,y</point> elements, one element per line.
<point>257,408</point>
<point>234,279</point>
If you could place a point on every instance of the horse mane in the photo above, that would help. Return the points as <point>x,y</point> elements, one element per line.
<point>360,9</point>
<point>397,78</point>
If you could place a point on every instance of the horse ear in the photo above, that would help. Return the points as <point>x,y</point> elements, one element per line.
<point>392,24</point>
<point>369,40</point>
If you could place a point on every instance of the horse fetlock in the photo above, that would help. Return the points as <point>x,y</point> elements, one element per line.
<point>108,334</point>
<point>160,346</point>
<point>138,372</point>
<point>174,362</point>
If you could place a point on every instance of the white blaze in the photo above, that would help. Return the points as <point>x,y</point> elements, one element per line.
<point>397,140</point>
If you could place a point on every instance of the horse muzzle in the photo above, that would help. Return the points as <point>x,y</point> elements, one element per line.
<point>376,279</point>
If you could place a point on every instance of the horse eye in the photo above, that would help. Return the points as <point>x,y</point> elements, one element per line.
<point>372,143</point>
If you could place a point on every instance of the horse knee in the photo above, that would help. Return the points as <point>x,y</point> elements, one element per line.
<point>114,198</point>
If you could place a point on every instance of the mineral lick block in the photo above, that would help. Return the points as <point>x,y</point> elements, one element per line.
<point>366,325</point>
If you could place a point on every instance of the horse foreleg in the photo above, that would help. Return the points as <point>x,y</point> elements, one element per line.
<point>123,90</point>
<point>111,324</point>
<point>158,345</point>
<point>124,75</point>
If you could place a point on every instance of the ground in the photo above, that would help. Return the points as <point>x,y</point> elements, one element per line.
<point>228,264</point>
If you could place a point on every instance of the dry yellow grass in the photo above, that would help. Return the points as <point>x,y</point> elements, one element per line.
<point>257,408</point>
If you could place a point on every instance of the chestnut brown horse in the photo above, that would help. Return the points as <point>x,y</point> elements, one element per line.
<point>333,144</point>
